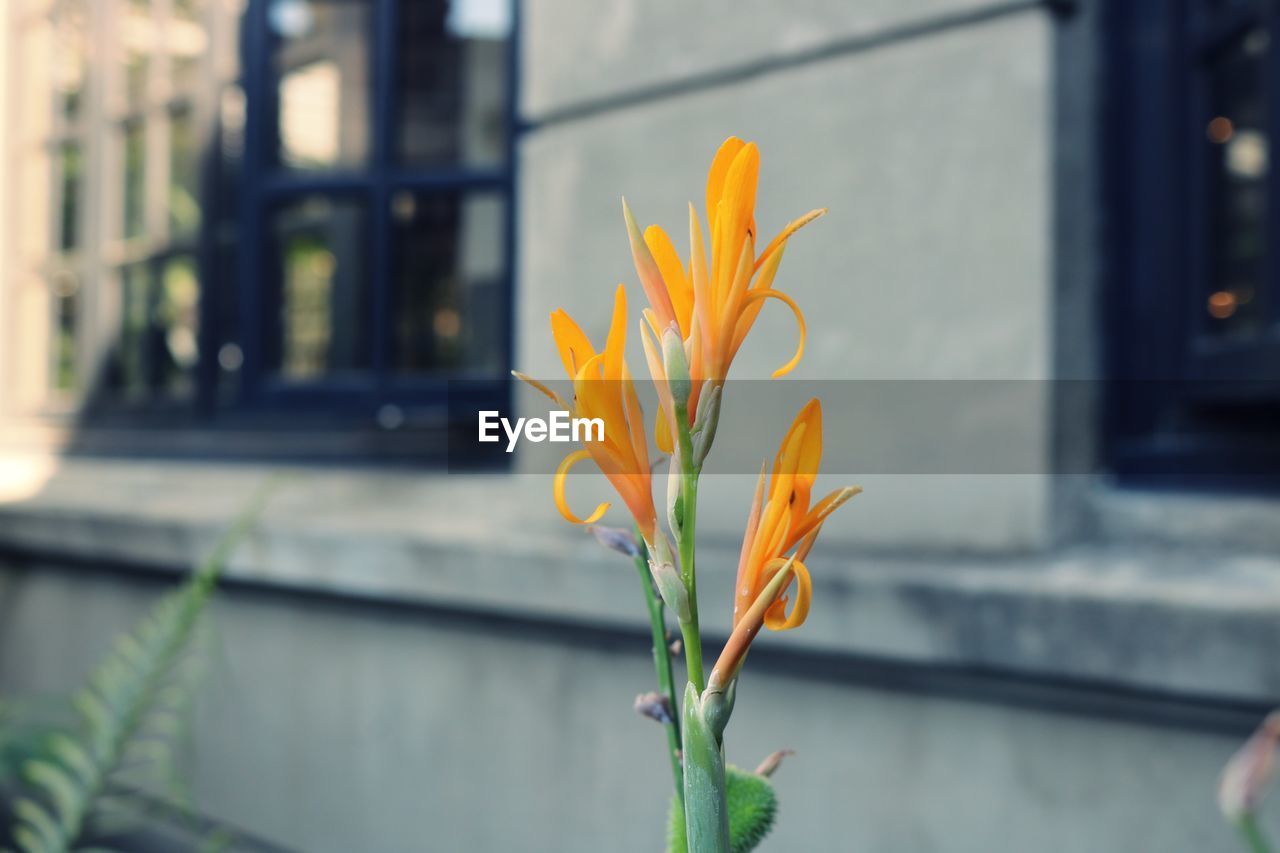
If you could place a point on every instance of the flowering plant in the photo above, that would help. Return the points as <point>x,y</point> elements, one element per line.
<point>699,314</point>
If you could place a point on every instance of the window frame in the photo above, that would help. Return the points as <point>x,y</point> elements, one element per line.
<point>377,185</point>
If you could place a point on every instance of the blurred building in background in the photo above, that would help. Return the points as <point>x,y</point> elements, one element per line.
<point>241,233</point>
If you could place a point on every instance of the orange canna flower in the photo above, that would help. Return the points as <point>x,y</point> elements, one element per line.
<point>713,305</point>
<point>781,529</point>
<point>603,388</point>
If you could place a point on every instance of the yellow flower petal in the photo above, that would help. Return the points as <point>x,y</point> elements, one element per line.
<point>776,617</point>
<point>760,295</point>
<point>530,381</point>
<point>574,347</point>
<point>720,164</point>
<point>679,288</point>
<point>647,268</point>
<point>562,503</point>
<point>792,227</point>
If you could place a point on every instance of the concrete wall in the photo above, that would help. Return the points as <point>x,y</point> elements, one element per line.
<point>926,129</point>
<point>329,726</point>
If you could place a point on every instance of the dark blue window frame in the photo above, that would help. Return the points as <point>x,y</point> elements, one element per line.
<point>1183,408</point>
<point>263,186</point>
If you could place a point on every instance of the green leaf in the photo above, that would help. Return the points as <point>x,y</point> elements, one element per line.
<point>74,756</point>
<point>29,842</point>
<point>753,807</point>
<point>67,796</point>
<point>40,822</point>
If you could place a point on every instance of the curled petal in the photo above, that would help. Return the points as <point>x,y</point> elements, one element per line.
<point>776,618</point>
<point>562,502</point>
<point>755,295</point>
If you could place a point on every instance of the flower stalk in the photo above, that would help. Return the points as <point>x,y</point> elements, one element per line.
<point>662,666</point>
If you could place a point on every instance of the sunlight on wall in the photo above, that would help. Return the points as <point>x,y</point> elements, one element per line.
<point>23,476</point>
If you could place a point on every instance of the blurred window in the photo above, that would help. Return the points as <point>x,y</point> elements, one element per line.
<point>378,204</point>
<point>1196,314</point>
<point>113,123</point>
<point>242,206</point>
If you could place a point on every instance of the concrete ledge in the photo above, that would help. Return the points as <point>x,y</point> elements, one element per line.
<point>1172,620</point>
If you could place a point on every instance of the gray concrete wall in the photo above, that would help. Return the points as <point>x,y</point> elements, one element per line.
<point>332,726</point>
<point>928,137</point>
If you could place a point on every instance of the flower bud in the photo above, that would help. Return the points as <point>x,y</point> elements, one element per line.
<point>655,706</point>
<point>671,588</point>
<point>675,500</point>
<point>676,366</point>
<point>615,539</point>
<point>705,424</point>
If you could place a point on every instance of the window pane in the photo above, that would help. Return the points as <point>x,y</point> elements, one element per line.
<point>449,296</point>
<point>184,174</point>
<point>1238,135</point>
<point>71,60</point>
<point>188,42</point>
<point>71,164</point>
<point>324,310</point>
<point>137,44</point>
<point>66,320</point>
<point>322,64</point>
<point>453,82</point>
<point>135,179</point>
<point>176,317</point>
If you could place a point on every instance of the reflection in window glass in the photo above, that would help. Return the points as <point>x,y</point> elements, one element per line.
<point>322,65</point>
<point>72,181</point>
<point>449,303</point>
<point>324,302</point>
<point>452,80</point>
<point>66,319</point>
<point>1238,135</point>
<point>184,173</point>
<point>135,177</point>
<point>177,309</point>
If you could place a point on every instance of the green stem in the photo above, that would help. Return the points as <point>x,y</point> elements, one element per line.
<point>1253,835</point>
<point>662,666</point>
<point>685,538</point>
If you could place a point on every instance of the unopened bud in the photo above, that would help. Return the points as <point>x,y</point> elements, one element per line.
<point>1247,773</point>
<point>671,588</point>
<point>675,499</point>
<point>676,365</point>
<point>676,646</point>
<point>655,706</point>
<point>615,539</point>
<point>704,426</point>
<point>717,706</point>
<point>772,761</point>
